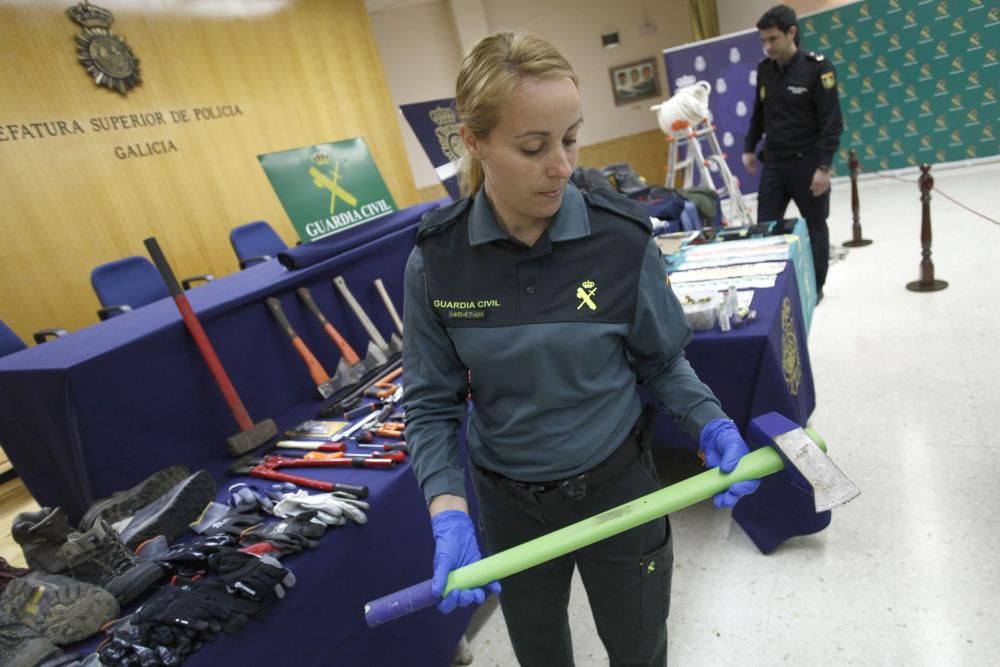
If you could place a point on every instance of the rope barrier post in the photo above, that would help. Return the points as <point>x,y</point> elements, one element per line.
<point>927,283</point>
<point>856,241</point>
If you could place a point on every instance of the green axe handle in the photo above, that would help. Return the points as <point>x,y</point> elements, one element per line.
<point>757,464</point>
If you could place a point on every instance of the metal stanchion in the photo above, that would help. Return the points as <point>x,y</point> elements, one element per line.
<point>927,283</point>
<point>856,241</point>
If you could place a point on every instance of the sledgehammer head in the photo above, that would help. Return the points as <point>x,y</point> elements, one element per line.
<point>261,434</point>
<point>831,487</point>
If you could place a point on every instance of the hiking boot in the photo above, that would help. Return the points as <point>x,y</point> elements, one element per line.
<point>64,610</point>
<point>8,572</point>
<point>41,534</point>
<point>20,646</point>
<point>172,513</point>
<point>124,504</point>
<point>99,557</point>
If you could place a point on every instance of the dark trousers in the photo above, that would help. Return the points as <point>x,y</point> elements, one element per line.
<point>787,180</point>
<point>627,576</point>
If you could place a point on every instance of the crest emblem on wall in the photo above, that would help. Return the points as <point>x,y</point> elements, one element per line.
<point>446,122</point>
<point>105,55</point>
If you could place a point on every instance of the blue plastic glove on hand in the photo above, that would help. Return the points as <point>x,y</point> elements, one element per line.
<point>456,546</point>
<point>723,446</point>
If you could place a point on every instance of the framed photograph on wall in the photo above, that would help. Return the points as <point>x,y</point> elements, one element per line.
<point>635,81</point>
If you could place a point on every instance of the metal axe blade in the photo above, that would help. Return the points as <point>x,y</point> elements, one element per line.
<point>831,487</point>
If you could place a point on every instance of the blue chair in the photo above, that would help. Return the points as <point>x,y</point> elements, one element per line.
<point>129,283</point>
<point>255,242</point>
<point>10,342</point>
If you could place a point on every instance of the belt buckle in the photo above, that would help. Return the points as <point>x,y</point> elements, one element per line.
<point>575,488</point>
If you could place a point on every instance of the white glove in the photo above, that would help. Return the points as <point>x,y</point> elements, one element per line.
<point>333,509</point>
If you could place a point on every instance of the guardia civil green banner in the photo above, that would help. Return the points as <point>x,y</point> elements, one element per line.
<point>327,188</point>
<point>919,79</point>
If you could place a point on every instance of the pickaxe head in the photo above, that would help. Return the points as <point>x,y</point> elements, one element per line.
<point>830,486</point>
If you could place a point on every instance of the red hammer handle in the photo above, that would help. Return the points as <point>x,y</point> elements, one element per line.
<point>200,338</point>
<point>346,351</point>
<point>316,370</point>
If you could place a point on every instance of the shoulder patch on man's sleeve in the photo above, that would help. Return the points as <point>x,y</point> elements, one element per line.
<point>818,57</point>
<point>442,218</point>
<point>620,205</point>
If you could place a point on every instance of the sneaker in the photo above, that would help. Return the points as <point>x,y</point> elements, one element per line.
<point>98,556</point>
<point>20,646</point>
<point>126,503</point>
<point>41,534</point>
<point>64,610</point>
<point>172,513</point>
<point>8,572</point>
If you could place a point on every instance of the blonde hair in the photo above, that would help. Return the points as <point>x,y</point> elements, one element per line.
<point>489,75</point>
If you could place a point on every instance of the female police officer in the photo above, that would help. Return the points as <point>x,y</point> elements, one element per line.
<point>547,305</point>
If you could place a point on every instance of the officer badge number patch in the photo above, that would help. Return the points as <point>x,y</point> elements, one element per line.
<point>828,79</point>
<point>585,292</point>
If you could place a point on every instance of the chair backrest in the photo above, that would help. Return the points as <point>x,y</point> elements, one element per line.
<point>131,281</point>
<point>255,239</point>
<point>9,341</point>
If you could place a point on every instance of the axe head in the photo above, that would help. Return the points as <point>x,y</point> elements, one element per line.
<point>831,487</point>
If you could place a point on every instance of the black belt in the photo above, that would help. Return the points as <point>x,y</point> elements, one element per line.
<point>576,487</point>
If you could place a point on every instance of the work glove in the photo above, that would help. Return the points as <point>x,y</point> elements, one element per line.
<point>258,578</point>
<point>255,498</point>
<point>455,546</point>
<point>332,509</point>
<point>290,535</point>
<point>219,519</point>
<point>188,558</point>
<point>123,646</point>
<point>722,446</point>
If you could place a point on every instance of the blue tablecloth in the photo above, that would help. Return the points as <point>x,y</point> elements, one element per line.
<point>102,408</point>
<point>763,367</point>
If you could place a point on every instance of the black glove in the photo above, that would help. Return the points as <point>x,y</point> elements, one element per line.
<point>259,578</point>
<point>290,535</point>
<point>215,595</point>
<point>124,647</point>
<point>191,558</point>
<point>230,522</point>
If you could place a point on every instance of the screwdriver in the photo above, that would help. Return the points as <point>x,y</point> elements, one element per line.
<point>390,447</point>
<point>327,446</point>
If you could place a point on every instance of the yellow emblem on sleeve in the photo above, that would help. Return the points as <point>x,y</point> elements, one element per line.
<point>763,93</point>
<point>828,79</point>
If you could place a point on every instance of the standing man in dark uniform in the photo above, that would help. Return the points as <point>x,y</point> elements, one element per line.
<point>798,110</point>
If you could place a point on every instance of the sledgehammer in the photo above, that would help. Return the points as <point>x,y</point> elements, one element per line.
<point>251,435</point>
<point>789,444</point>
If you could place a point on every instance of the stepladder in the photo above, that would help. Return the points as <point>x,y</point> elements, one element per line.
<point>695,149</point>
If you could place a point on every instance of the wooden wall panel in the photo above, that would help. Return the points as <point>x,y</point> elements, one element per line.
<point>307,72</point>
<point>646,152</point>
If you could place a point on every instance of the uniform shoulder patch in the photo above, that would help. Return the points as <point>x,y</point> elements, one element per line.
<point>442,218</point>
<point>818,57</point>
<point>620,205</point>
<point>828,79</point>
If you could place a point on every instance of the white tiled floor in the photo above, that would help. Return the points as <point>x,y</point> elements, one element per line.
<point>908,399</point>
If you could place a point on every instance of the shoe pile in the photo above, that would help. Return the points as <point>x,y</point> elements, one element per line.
<point>79,577</point>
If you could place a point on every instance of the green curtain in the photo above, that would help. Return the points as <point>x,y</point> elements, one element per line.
<point>704,19</point>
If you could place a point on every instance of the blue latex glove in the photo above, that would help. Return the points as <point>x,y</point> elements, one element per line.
<point>456,546</point>
<point>723,446</point>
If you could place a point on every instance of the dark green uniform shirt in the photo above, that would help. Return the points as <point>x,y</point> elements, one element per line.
<point>554,337</point>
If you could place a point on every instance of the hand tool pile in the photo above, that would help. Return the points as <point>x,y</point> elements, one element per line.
<point>233,571</point>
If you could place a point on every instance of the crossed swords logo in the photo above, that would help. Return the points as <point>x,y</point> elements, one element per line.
<point>585,292</point>
<point>321,180</point>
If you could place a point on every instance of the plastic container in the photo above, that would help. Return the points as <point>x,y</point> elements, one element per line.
<point>701,316</point>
